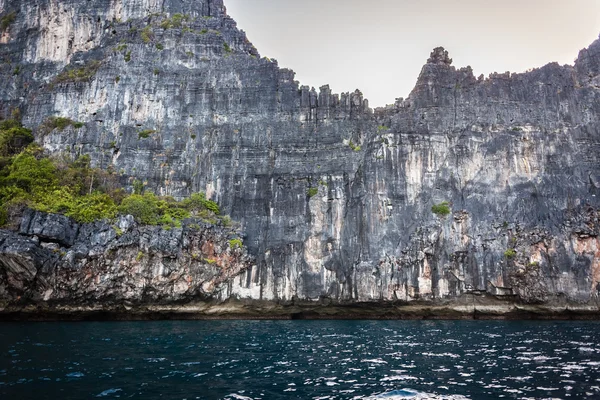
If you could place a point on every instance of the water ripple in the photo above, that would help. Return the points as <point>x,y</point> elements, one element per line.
<point>301,359</point>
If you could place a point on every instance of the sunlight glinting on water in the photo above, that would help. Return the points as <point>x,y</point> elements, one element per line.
<point>303,359</point>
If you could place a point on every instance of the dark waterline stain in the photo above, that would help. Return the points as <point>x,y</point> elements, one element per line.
<point>300,360</point>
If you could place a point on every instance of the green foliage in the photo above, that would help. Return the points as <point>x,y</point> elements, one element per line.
<point>156,71</point>
<point>236,244</point>
<point>197,203</point>
<point>312,192</point>
<point>149,209</point>
<point>117,79</point>
<point>166,24</point>
<point>381,128</point>
<point>3,216</point>
<point>138,187</point>
<point>127,56</point>
<point>7,20</point>
<point>82,74</point>
<point>13,138</point>
<point>23,178</point>
<point>86,194</point>
<point>176,21</point>
<point>510,253</point>
<point>31,174</point>
<point>354,146</point>
<point>159,46</point>
<point>442,209</point>
<point>212,206</point>
<point>17,70</point>
<point>139,256</point>
<point>146,34</point>
<point>204,31</point>
<point>226,221</point>
<point>60,123</point>
<point>227,48</point>
<point>57,186</point>
<point>87,208</point>
<point>121,47</point>
<point>145,134</point>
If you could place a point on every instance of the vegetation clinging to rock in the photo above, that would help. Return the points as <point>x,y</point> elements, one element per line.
<point>82,74</point>
<point>13,138</point>
<point>176,21</point>
<point>510,253</point>
<point>145,134</point>
<point>28,178</point>
<point>236,243</point>
<point>60,123</point>
<point>7,20</point>
<point>442,209</point>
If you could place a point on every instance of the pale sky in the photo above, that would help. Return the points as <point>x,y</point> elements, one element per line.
<point>379,46</point>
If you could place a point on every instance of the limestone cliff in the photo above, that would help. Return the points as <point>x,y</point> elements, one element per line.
<point>335,199</point>
<point>64,265</point>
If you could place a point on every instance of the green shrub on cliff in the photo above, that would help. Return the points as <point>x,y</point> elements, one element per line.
<point>76,189</point>
<point>7,20</point>
<point>236,243</point>
<point>353,146</point>
<point>59,123</point>
<point>442,209</point>
<point>197,202</point>
<point>82,74</point>
<point>147,35</point>
<point>510,253</point>
<point>87,208</point>
<point>30,173</point>
<point>176,21</point>
<point>149,209</point>
<point>146,133</point>
<point>13,138</point>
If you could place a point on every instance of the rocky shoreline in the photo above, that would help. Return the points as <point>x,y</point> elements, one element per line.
<point>468,307</point>
<point>55,269</point>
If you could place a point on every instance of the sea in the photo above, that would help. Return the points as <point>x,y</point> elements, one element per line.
<point>300,360</point>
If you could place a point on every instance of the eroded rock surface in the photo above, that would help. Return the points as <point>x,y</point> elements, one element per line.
<point>116,265</point>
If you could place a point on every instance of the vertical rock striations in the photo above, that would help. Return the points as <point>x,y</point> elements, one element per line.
<point>335,199</point>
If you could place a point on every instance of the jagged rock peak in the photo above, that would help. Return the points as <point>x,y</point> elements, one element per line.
<point>439,55</point>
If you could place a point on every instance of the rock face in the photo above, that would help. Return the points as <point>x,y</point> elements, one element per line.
<point>335,199</point>
<point>115,265</point>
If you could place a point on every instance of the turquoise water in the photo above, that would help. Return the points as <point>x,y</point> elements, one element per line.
<point>300,360</point>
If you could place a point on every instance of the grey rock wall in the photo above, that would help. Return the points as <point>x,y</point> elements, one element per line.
<point>115,265</point>
<point>515,155</point>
